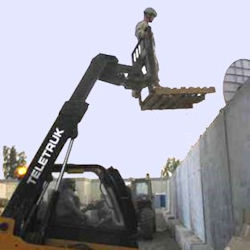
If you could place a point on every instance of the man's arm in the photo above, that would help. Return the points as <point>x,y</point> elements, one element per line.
<point>141,30</point>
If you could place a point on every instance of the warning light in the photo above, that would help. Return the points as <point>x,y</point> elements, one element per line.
<point>21,171</point>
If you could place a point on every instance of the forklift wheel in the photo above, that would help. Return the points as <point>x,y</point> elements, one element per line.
<point>147,223</point>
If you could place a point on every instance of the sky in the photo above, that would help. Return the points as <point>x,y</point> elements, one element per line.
<point>46,47</point>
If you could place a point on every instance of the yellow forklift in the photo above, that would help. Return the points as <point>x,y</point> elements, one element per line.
<point>21,227</point>
<point>21,224</point>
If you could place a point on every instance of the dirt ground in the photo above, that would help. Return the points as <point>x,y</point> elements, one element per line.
<point>162,239</point>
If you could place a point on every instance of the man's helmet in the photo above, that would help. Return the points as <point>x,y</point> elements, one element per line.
<point>150,11</point>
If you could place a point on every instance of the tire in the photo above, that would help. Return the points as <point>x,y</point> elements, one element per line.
<point>147,223</point>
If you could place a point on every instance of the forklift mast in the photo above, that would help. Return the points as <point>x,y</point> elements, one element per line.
<point>65,127</point>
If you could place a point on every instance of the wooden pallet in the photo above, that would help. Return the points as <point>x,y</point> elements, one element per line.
<point>166,98</point>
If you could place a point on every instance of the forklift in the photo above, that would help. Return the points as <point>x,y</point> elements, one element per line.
<point>20,225</point>
<point>143,199</point>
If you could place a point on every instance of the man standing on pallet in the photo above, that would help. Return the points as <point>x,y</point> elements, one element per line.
<point>143,32</point>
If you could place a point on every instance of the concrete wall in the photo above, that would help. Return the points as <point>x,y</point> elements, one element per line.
<point>216,185</point>
<point>238,136</point>
<point>195,192</point>
<point>210,190</point>
<point>88,189</point>
<point>186,201</point>
<point>7,187</point>
<point>173,204</point>
<point>183,195</point>
<point>159,185</point>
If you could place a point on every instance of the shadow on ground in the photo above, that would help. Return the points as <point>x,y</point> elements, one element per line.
<point>162,239</point>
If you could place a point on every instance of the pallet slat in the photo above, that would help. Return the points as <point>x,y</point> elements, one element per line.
<point>167,98</point>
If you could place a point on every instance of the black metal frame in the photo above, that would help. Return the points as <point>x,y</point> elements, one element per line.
<point>125,236</point>
<point>24,200</point>
<point>139,204</point>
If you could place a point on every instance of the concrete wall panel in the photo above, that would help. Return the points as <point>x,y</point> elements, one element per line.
<point>216,185</point>
<point>179,199</point>
<point>159,185</point>
<point>195,192</point>
<point>3,190</point>
<point>184,190</point>
<point>168,196</point>
<point>173,195</point>
<point>237,115</point>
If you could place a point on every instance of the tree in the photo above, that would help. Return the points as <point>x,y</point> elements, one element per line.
<point>11,160</point>
<point>170,167</point>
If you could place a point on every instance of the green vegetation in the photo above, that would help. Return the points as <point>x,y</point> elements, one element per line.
<point>170,167</point>
<point>11,160</point>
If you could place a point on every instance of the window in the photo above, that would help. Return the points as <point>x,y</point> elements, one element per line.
<point>83,202</point>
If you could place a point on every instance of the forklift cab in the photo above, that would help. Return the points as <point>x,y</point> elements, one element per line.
<point>92,211</point>
<point>142,194</point>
